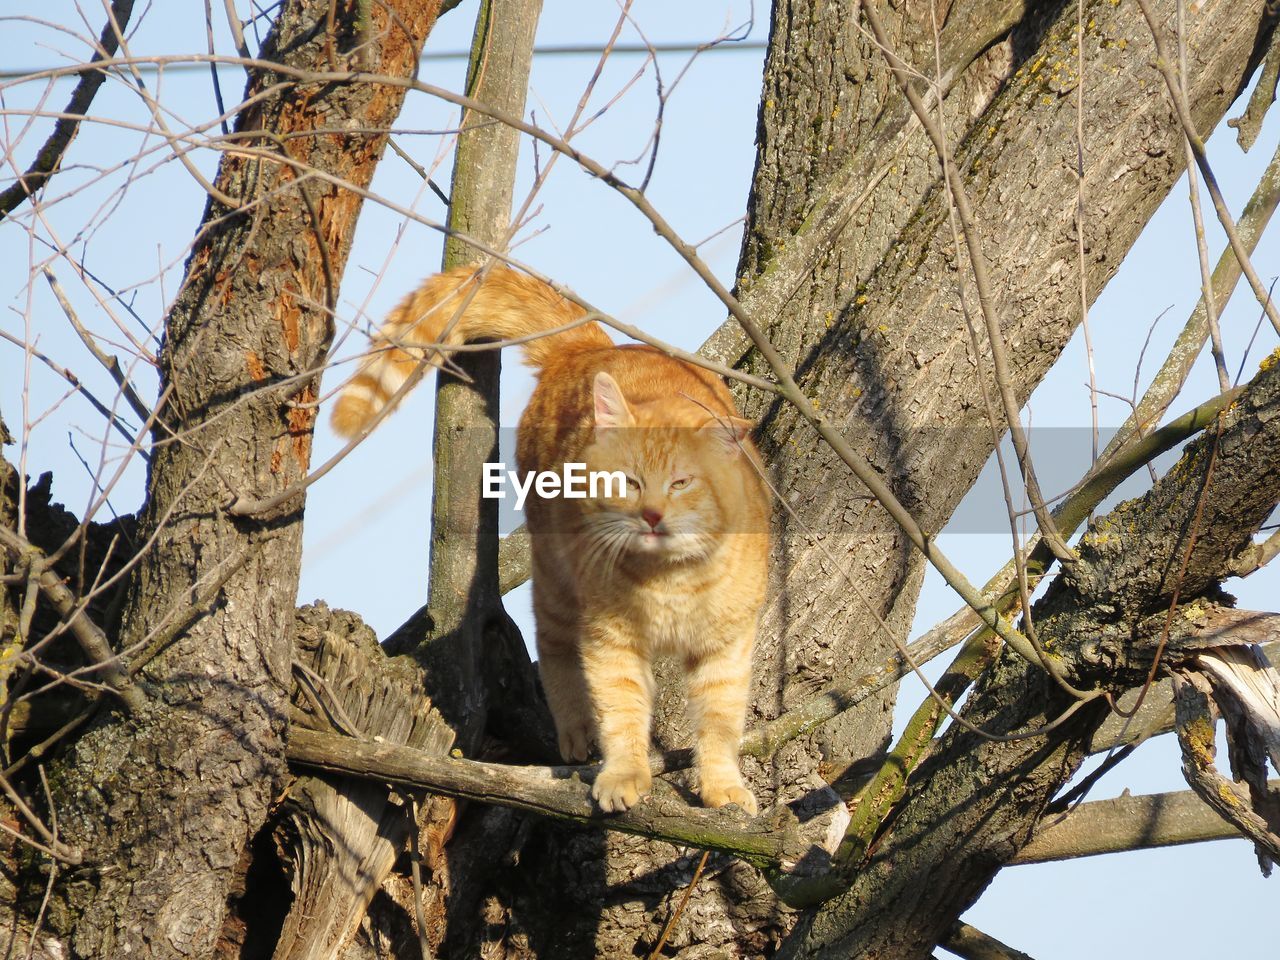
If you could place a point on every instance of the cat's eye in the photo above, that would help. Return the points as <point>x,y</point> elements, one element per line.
<point>679,483</point>
<point>633,484</point>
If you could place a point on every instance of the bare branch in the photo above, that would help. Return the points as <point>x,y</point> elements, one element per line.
<point>64,131</point>
<point>1195,717</point>
<point>110,363</point>
<point>1256,556</point>
<point>1197,219</point>
<point>92,640</point>
<point>1249,124</point>
<point>1163,63</point>
<point>71,378</point>
<point>972,944</point>
<point>986,295</point>
<point>557,792</point>
<point>1127,823</point>
<point>54,848</point>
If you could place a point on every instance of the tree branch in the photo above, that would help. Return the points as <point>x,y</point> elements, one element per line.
<point>1164,63</point>
<point>1127,823</point>
<point>50,156</point>
<point>975,801</point>
<point>972,944</point>
<point>560,793</point>
<point>986,295</point>
<point>1196,731</point>
<point>92,640</point>
<point>110,363</point>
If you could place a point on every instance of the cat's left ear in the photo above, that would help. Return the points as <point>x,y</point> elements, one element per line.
<point>728,432</point>
<point>611,408</point>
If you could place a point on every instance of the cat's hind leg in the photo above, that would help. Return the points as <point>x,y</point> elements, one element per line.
<point>560,667</point>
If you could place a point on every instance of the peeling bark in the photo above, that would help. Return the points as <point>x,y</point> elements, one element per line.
<point>340,836</point>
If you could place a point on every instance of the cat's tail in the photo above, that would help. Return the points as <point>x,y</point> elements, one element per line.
<point>457,307</point>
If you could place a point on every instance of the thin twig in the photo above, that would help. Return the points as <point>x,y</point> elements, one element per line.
<point>986,294</point>
<point>110,363</point>
<point>1019,556</point>
<point>1182,112</point>
<point>53,867</point>
<point>213,69</point>
<point>107,413</point>
<point>1197,218</point>
<point>54,848</point>
<point>679,910</point>
<point>1080,259</point>
<point>50,156</point>
<point>236,28</point>
<point>415,873</point>
<point>157,116</point>
<point>92,640</point>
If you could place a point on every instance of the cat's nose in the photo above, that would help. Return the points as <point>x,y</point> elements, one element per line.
<point>652,517</point>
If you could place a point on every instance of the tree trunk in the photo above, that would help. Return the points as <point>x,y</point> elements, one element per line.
<point>165,802</point>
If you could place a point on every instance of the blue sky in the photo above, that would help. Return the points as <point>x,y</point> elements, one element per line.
<point>366,528</point>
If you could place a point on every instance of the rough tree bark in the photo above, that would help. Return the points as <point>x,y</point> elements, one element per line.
<point>164,802</point>
<point>974,803</point>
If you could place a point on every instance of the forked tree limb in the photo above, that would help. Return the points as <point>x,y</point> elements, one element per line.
<point>976,801</point>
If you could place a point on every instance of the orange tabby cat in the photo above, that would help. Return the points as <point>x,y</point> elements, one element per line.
<point>675,563</point>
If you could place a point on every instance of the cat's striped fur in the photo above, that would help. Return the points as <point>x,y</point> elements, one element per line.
<point>676,565</point>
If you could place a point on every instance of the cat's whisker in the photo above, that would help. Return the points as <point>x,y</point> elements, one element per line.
<point>618,546</point>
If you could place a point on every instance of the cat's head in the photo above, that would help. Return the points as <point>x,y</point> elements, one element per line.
<point>677,474</point>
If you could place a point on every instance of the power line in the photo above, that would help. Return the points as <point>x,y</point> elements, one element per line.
<point>552,50</point>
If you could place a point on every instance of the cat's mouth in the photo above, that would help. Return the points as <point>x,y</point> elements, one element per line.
<point>666,544</point>
<point>652,539</point>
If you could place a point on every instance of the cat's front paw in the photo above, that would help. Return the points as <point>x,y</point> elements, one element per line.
<point>618,787</point>
<point>726,792</point>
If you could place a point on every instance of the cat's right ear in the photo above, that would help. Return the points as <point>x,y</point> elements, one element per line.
<point>611,408</point>
<point>728,432</point>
